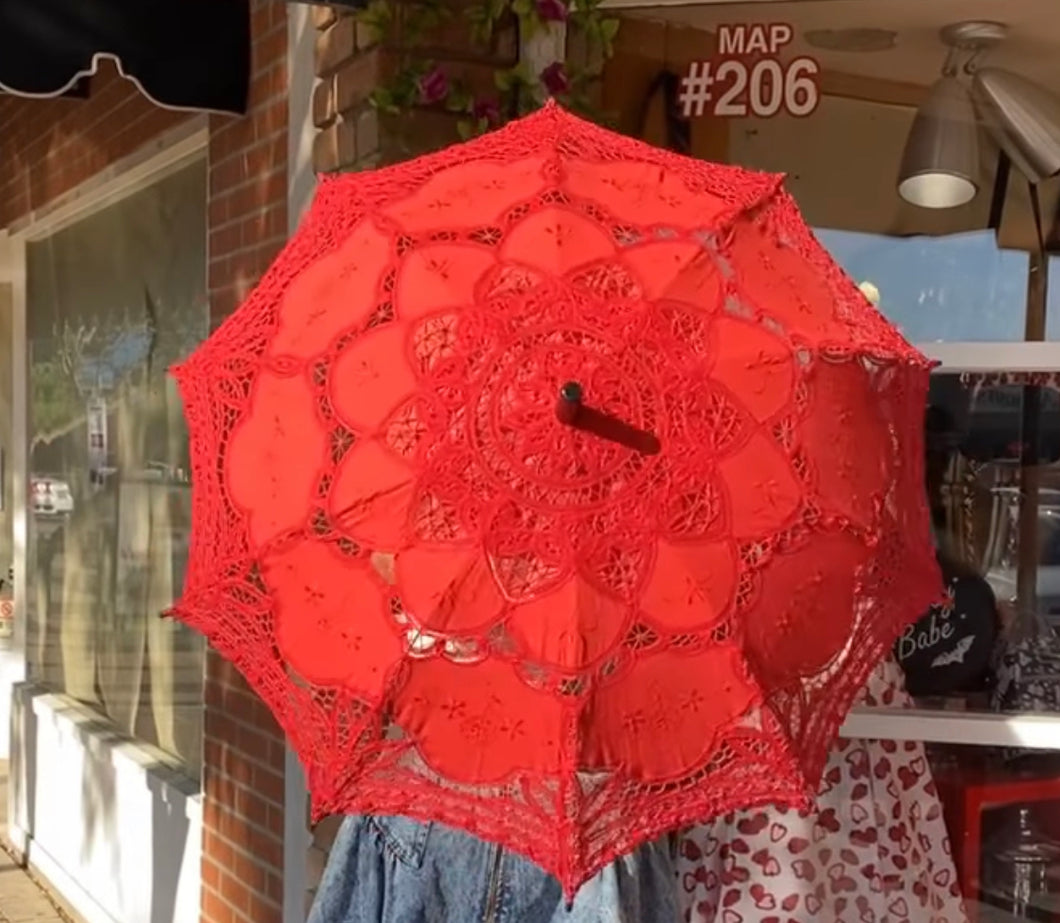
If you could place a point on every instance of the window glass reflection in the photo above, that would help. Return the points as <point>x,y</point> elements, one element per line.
<point>900,830</point>
<point>1002,813</point>
<point>993,479</point>
<point>112,301</point>
<point>960,287</point>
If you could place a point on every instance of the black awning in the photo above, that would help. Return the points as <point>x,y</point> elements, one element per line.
<point>182,54</point>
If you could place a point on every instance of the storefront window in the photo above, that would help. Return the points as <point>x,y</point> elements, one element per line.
<point>828,92</point>
<point>112,300</point>
<point>958,287</point>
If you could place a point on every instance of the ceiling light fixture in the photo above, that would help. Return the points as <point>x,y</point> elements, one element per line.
<point>940,163</point>
<point>941,157</point>
<point>1023,118</point>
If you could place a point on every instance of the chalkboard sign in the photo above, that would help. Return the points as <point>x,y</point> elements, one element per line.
<point>948,650</point>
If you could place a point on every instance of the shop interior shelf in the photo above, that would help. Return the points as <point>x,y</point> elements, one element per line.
<point>967,792</point>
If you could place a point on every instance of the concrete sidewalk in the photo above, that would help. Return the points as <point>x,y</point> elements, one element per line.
<point>22,900</point>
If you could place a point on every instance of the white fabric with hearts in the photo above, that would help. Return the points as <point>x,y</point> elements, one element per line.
<point>875,850</point>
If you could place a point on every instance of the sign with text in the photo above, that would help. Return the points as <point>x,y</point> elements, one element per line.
<point>747,77</point>
<point>948,649</point>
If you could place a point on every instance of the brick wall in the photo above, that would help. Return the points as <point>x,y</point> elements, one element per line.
<point>248,169</point>
<point>49,146</point>
<point>351,134</point>
<point>243,771</point>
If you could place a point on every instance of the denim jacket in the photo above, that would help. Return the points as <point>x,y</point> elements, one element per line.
<point>393,870</point>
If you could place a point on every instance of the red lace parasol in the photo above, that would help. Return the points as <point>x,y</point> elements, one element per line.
<point>558,488</point>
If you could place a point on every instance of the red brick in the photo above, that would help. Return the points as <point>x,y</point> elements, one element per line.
<point>225,239</point>
<point>270,83</point>
<point>215,909</point>
<point>335,147</point>
<point>217,212</point>
<point>266,155</point>
<point>323,15</point>
<point>270,785</point>
<point>356,79</point>
<point>239,831</point>
<point>225,172</point>
<point>335,45</point>
<point>50,146</point>
<point>324,102</point>
<point>249,870</point>
<point>271,119</point>
<point>261,19</point>
<point>262,910</point>
<point>222,303</point>
<point>244,803</point>
<point>274,887</point>
<point>270,50</point>
<point>265,227</point>
<point>219,850</point>
<point>235,892</point>
<point>211,873</point>
<point>259,158</point>
<point>231,138</point>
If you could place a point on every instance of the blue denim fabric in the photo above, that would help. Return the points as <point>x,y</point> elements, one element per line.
<point>393,870</point>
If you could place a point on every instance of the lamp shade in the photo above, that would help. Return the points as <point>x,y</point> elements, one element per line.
<point>1023,118</point>
<point>941,158</point>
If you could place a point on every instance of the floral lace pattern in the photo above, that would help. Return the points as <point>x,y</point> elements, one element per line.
<point>575,644</point>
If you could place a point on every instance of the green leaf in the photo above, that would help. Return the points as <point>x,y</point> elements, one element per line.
<point>505,79</point>
<point>529,25</point>
<point>466,129</point>
<point>481,19</point>
<point>609,29</point>
<point>407,23</point>
<point>459,99</point>
<point>383,100</point>
<point>378,17</point>
<point>520,75</point>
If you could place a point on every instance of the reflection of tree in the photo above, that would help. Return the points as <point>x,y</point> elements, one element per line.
<point>124,355</point>
<point>55,396</point>
<point>56,403</point>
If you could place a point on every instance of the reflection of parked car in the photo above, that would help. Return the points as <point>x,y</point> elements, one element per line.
<point>159,471</point>
<point>51,496</point>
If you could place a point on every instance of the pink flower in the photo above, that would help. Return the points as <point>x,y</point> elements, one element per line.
<point>551,10</point>
<point>433,86</point>
<point>488,109</point>
<point>555,79</point>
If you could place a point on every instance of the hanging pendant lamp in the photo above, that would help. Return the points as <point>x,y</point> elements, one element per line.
<point>940,164</point>
<point>1022,117</point>
<point>941,157</point>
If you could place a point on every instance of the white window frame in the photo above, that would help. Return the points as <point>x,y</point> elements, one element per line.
<point>1018,356</point>
<point>301,133</point>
